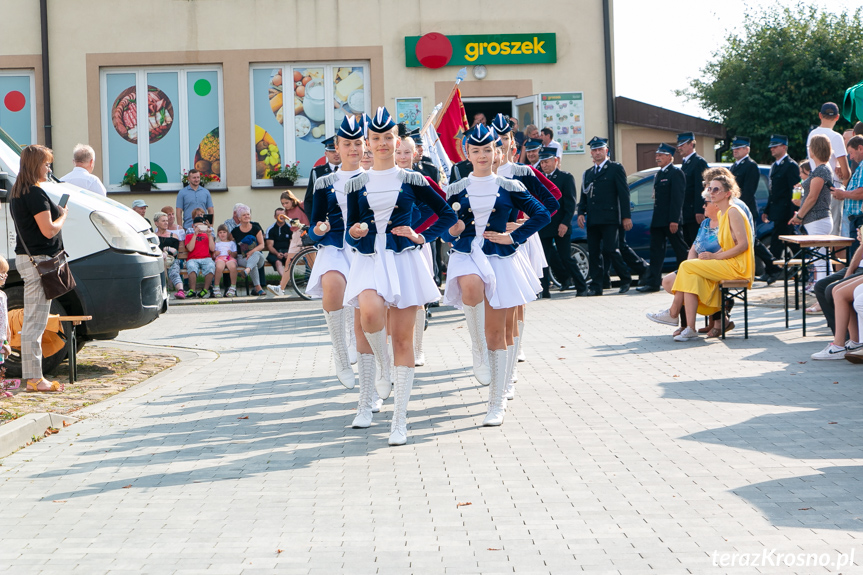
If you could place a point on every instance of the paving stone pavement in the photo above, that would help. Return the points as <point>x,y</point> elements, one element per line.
<point>624,452</point>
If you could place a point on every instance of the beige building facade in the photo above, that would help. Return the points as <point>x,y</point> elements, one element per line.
<point>239,87</point>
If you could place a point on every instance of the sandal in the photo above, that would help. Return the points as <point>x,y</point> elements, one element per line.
<point>813,309</point>
<point>53,386</point>
<point>678,331</point>
<point>705,329</point>
<point>717,331</point>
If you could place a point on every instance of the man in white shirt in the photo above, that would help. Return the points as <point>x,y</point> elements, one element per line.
<point>81,175</point>
<point>547,135</point>
<point>838,160</point>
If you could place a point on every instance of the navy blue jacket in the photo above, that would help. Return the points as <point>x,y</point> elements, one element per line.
<point>325,208</point>
<point>415,191</point>
<point>512,196</point>
<point>525,175</point>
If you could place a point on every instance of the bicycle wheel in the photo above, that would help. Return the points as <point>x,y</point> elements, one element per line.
<point>301,269</point>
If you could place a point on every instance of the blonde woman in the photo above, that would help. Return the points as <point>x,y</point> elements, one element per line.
<point>697,282</point>
<point>814,213</point>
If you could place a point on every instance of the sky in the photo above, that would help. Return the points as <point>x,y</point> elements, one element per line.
<point>660,47</point>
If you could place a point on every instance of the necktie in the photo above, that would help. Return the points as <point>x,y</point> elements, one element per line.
<point>595,170</point>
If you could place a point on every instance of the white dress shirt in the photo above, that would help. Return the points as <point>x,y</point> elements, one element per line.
<point>84,179</point>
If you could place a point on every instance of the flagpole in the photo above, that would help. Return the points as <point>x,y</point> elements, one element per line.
<point>459,77</point>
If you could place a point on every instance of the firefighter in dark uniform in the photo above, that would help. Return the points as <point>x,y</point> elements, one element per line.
<point>423,163</point>
<point>693,167</point>
<point>555,237</point>
<point>669,185</point>
<point>531,153</point>
<point>784,175</point>
<point>332,164</point>
<point>604,207</point>
<point>747,174</point>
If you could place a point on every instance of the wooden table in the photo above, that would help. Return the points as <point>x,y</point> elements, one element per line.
<point>807,251</point>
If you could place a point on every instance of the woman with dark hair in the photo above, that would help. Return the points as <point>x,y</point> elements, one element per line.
<point>39,221</point>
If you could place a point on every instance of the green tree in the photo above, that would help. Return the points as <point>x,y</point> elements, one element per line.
<point>773,77</point>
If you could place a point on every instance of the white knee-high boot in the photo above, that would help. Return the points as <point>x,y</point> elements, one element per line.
<point>378,343</point>
<point>352,335</point>
<point>377,402</point>
<point>475,317</point>
<point>521,356</point>
<point>509,390</point>
<point>419,329</point>
<point>496,408</point>
<point>365,406</point>
<point>403,385</point>
<point>336,327</point>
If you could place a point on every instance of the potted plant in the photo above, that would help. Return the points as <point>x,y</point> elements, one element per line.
<point>140,183</point>
<point>286,176</point>
<point>205,178</point>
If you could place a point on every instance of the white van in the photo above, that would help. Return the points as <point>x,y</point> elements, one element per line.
<point>113,254</point>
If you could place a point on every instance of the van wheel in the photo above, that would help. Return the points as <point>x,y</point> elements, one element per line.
<point>15,300</point>
<point>579,254</point>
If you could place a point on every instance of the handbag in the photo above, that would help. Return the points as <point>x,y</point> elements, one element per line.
<point>54,273</point>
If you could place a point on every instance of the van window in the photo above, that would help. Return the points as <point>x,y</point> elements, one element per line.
<point>762,192</point>
<point>641,195</point>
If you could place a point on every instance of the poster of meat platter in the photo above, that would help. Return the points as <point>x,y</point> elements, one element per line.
<point>563,112</point>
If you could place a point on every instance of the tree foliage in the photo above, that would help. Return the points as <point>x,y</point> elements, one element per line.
<point>773,77</point>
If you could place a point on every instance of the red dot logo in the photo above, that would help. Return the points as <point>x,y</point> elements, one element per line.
<point>434,50</point>
<point>14,101</point>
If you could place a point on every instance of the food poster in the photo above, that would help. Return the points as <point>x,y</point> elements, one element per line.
<point>122,142</point>
<point>16,109</point>
<point>269,137</point>
<point>163,97</point>
<point>563,112</point>
<point>410,111</point>
<point>310,101</point>
<point>202,95</point>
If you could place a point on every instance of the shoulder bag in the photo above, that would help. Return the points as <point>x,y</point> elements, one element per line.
<point>54,273</point>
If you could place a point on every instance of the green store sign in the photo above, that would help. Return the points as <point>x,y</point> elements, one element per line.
<point>436,50</point>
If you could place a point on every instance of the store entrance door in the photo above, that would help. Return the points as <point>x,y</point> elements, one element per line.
<point>490,107</point>
<point>526,111</point>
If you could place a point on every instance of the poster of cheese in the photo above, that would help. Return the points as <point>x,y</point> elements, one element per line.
<point>563,112</point>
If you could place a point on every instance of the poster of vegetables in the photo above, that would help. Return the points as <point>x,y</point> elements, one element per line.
<point>563,112</point>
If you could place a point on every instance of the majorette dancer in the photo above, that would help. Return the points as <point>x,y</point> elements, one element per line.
<point>483,276</point>
<point>388,273</point>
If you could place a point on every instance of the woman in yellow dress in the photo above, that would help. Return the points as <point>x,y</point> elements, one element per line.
<point>697,284</point>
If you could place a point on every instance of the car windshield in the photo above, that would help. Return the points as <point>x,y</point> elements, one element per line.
<point>10,153</point>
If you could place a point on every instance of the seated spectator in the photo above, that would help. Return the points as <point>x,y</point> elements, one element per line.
<point>234,220</point>
<point>856,356</point>
<point>836,294</point>
<point>279,239</point>
<point>140,208</point>
<point>225,253</point>
<point>697,283</point>
<point>173,227</point>
<point>170,246</point>
<point>200,244</point>
<point>705,241</point>
<point>294,211</point>
<point>249,237</point>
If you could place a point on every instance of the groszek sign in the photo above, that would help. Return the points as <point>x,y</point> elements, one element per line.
<point>435,50</point>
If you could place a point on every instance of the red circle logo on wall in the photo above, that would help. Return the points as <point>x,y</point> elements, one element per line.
<point>434,50</point>
<point>14,101</point>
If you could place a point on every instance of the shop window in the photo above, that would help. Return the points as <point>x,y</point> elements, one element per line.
<point>184,115</point>
<point>295,107</point>
<point>17,105</point>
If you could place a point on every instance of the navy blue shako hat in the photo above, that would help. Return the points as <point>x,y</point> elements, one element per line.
<point>685,137</point>
<point>777,140</point>
<point>739,142</point>
<point>330,144</point>
<point>532,144</point>
<point>501,124</point>
<point>480,135</point>
<point>596,142</point>
<point>381,121</point>
<point>666,149</point>
<point>350,129</point>
<point>546,153</point>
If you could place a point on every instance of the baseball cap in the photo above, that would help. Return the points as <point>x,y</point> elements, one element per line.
<point>139,204</point>
<point>830,109</point>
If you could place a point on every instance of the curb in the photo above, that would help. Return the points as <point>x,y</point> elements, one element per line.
<point>20,433</point>
<point>234,300</point>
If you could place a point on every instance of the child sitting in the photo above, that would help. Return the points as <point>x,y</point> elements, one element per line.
<point>226,257</point>
<point>200,244</point>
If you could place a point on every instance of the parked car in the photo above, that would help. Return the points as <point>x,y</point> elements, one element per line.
<point>641,204</point>
<point>113,254</point>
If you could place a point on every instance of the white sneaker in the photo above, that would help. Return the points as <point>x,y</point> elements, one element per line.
<point>686,335</point>
<point>852,345</point>
<point>275,290</point>
<point>663,316</point>
<point>830,352</point>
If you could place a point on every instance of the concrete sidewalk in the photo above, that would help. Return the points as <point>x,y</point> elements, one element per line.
<point>624,452</point>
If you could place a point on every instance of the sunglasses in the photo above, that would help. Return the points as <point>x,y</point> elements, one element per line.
<point>715,190</point>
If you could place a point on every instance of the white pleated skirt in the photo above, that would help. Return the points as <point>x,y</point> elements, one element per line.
<point>427,256</point>
<point>535,254</point>
<point>328,258</point>
<point>509,281</point>
<point>402,280</point>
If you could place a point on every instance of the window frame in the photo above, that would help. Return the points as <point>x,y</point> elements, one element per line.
<point>289,131</point>
<point>182,103</point>
<point>31,74</point>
